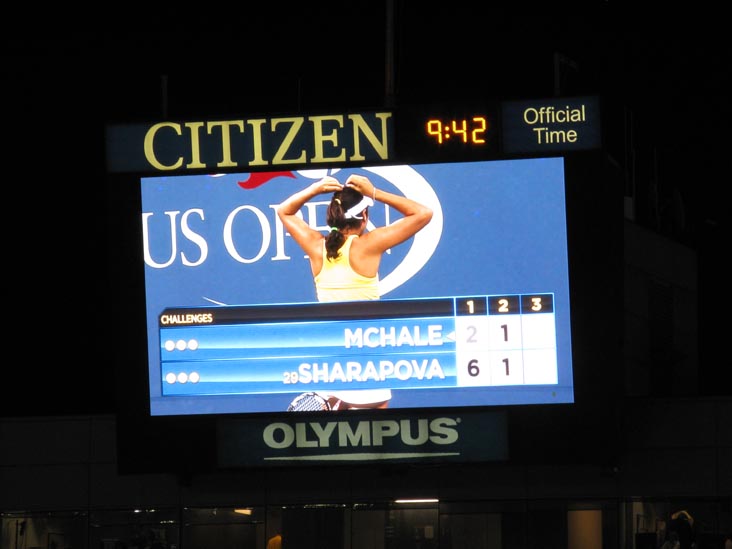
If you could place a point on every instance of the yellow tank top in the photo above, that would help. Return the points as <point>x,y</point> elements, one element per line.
<point>337,281</point>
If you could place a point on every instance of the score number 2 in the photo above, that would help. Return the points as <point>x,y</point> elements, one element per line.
<point>470,131</point>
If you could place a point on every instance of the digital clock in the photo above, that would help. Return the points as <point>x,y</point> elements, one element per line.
<point>469,131</point>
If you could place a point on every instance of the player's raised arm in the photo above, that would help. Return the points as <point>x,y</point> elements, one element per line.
<point>415,215</point>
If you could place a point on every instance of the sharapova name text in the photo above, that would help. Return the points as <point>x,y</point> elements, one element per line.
<point>352,371</point>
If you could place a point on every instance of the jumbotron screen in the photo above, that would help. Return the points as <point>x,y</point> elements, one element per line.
<point>472,309</point>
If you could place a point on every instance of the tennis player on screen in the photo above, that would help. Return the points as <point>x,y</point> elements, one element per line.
<point>345,262</point>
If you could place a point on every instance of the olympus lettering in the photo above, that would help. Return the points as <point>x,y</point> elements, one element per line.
<point>344,434</point>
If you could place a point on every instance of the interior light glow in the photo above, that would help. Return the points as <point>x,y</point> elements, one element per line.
<point>422,500</point>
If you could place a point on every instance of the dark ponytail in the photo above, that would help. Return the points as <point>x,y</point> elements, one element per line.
<point>336,218</point>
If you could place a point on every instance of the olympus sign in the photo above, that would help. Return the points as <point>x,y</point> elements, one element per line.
<point>345,434</point>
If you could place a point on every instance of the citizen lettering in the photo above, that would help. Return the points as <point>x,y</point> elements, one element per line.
<point>262,142</point>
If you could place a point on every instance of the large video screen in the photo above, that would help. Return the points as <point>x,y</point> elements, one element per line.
<point>453,289</point>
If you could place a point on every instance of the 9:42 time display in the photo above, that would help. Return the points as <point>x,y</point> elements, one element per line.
<point>468,130</point>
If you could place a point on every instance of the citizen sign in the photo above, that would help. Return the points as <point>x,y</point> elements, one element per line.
<point>251,143</point>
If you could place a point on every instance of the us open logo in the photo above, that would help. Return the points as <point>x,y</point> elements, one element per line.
<point>208,226</point>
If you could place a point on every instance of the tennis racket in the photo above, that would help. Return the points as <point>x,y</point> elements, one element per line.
<point>308,402</point>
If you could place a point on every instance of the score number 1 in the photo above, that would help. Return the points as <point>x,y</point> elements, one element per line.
<point>470,131</point>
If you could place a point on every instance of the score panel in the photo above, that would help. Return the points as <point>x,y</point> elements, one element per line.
<point>241,330</point>
<point>443,352</point>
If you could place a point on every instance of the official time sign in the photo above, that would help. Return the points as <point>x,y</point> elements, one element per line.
<point>551,125</point>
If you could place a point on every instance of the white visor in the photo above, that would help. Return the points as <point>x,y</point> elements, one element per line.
<point>355,212</point>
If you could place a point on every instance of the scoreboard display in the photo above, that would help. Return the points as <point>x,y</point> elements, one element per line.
<point>441,347</point>
<point>474,309</point>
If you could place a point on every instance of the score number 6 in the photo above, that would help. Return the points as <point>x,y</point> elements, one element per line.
<point>474,369</point>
